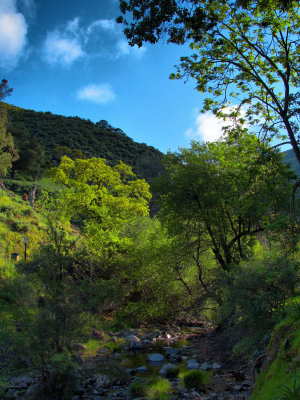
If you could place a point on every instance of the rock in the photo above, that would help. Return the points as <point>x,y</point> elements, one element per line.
<point>193,365</point>
<point>205,366</point>
<point>238,388</point>
<point>215,366</point>
<point>11,394</point>
<point>170,351</point>
<point>21,381</point>
<point>155,357</point>
<point>98,334</point>
<point>142,369</point>
<point>78,347</point>
<point>32,392</point>
<point>165,368</point>
<point>105,381</point>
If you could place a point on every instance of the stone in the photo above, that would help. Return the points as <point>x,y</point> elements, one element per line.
<point>155,357</point>
<point>142,369</point>
<point>78,347</point>
<point>21,381</point>
<point>205,366</point>
<point>105,381</point>
<point>193,365</point>
<point>215,366</point>
<point>98,334</point>
<point>32,391</point>
<point>165,368</point>
<point>170,351</point>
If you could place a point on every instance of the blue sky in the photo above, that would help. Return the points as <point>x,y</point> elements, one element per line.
<point>71,58</point>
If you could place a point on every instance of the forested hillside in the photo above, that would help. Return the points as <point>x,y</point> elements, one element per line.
<point>55,135</point>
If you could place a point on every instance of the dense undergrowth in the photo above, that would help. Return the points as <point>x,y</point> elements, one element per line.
<point>96,260</point>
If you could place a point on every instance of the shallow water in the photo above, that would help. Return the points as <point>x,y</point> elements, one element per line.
<point>135,359</point>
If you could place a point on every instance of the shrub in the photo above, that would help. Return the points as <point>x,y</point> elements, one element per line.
<point>61,378</point>
<point>196,379</point>
<point>172,372</point>
<point>158,389</point>
<point>138,389</point>
<point>116,370</point>
<point>291,393</point>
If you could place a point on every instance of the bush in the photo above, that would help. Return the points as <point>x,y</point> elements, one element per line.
<point>291,393</point>
<point>61,378</point>
<point>138,389</point>
<point>196,379</point>
<point>257,292</point>
<point>172,372</point>
<point>158,389</point>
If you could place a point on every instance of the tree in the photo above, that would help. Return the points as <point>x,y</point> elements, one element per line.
<point>247,51</point>
<point>101,200</point>
<point>219,196</point>
<point>8,153</point>
<point>5,90</point>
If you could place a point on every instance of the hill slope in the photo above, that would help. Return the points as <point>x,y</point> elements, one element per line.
<point>55,132</point>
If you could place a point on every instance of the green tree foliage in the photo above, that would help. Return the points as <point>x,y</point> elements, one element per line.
<point>8,153</point>
<point>79,138</point>
<point>218,196</point>
<point>245,51</point>
<point>101,199</point>
<point>5,90</point>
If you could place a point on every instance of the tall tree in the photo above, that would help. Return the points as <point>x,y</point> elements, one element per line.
<point>101,199</point>
<point>218,196</point>
<point>5,90</point>
<point>8,153</point>
<point>245,51</point>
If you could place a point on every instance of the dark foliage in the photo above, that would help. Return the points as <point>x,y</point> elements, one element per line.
<point>58,135</point>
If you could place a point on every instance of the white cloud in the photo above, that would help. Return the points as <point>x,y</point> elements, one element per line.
<point>124,49</point>
<point>61,50</point>
<point>105,24</point>
<point>13,30</point>
<point>100,94</point>
<point>208,128</point>
<point>102,38</point>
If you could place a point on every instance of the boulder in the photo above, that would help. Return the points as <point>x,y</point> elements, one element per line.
<point>165,368</point>
<point>193,364</point>
<point>105,381</point>
<point>155,358</point>
<point>142,369</point>
<point>171,351</point>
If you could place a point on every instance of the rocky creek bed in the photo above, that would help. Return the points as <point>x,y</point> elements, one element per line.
<point>147,354</point>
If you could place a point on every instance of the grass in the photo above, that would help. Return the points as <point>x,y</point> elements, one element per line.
<point>279,379</point>
<point>153,389</point>
<point>172,372</point>
<point>159,389</point>
<point>17,221</point>
<point>196,379</point>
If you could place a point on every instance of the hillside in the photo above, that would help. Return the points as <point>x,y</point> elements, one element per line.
<point>55,133</point>
<point>289,157</point>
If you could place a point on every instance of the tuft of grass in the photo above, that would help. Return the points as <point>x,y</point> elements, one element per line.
<point>196,379</point>
<point>138,389</point>
<point>291,392</point>
<point>116,370</point>
<point>158,389</point>
<point>172,372</point>
<point>153,389</point>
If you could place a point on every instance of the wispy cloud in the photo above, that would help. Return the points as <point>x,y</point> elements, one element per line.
<point>13,31</point>
<point>125,50</point>
<point>104,24</point>
<point>61,50</point>
<point>103,37</point>
<point>209,128</point>
<point>100,94</point>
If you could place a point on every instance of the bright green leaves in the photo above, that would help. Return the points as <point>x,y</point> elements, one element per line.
<point>100,199</point>
<point>223,193</point>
